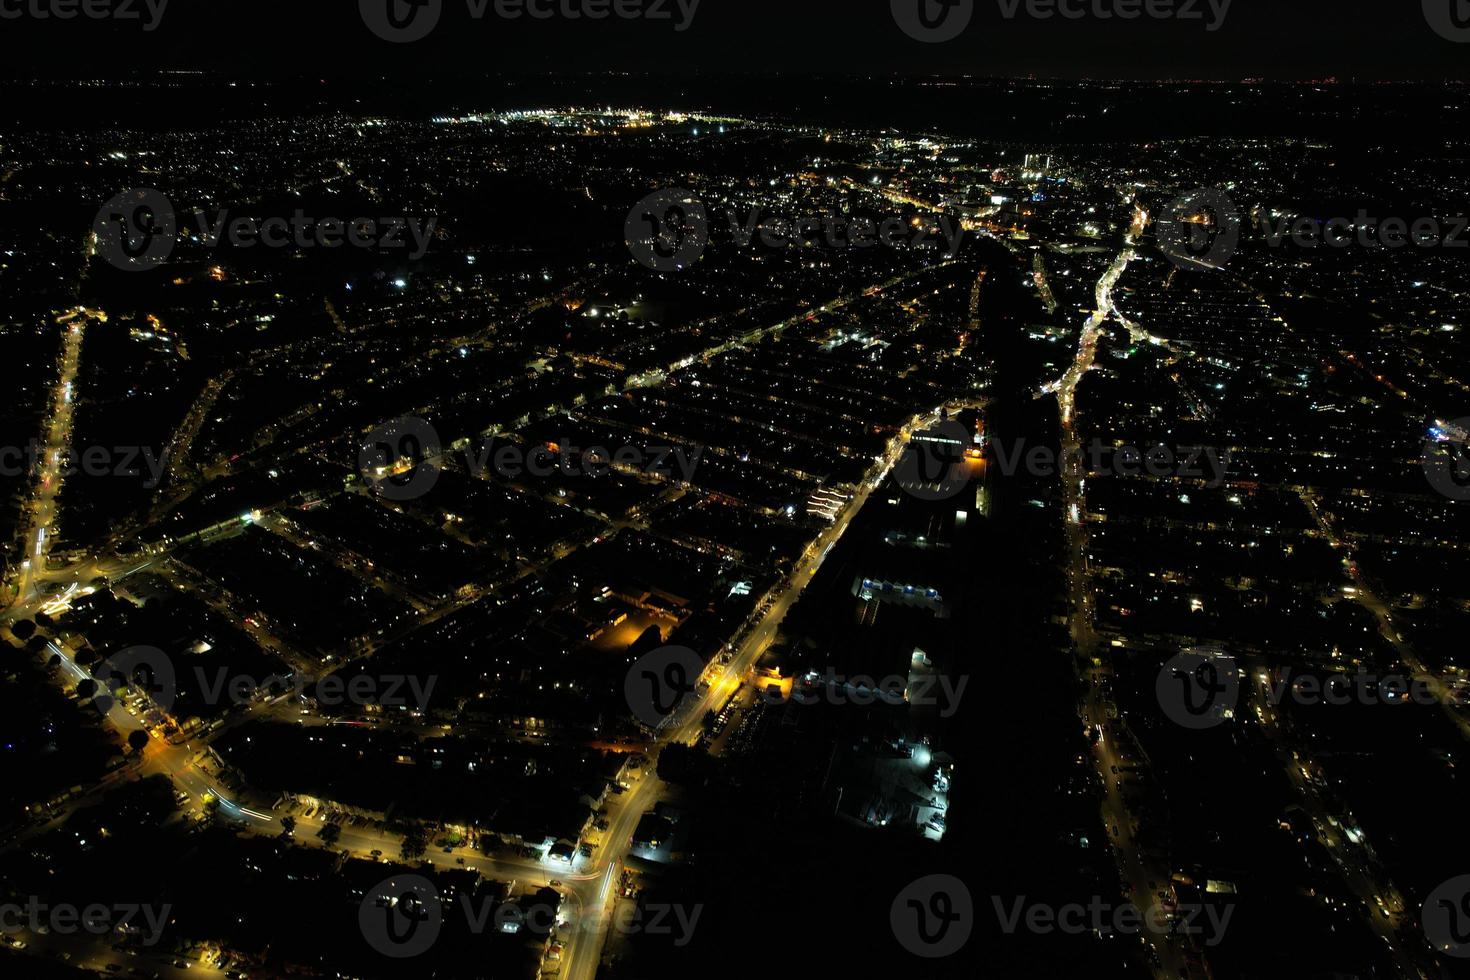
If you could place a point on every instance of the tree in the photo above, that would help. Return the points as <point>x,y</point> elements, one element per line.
<point>86,688</point>
<point>415,844</point>
<point>330,834</point>
<point>23,629</point>
<point>44,620</point>
<point>288,826</point>
<point>138,739</point>
<point>86,656</point>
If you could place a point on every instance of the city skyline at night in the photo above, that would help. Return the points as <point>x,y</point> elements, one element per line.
<point>647,489</point>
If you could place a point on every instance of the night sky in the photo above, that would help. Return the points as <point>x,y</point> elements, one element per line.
<point>1300,39</point>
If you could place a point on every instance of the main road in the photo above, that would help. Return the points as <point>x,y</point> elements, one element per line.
<point>56,452</point>
<point>595,896</point>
